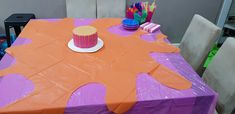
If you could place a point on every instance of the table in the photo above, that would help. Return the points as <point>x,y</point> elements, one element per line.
<point>35,92</point>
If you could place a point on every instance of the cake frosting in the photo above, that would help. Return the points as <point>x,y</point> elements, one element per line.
<point>85,36</point>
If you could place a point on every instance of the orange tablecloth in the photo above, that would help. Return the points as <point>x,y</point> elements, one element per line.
<point>47,60</point>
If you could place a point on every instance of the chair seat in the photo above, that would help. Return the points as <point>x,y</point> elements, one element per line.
<point>220,76</point>
<point>198,40</point>
<point>19,19</point>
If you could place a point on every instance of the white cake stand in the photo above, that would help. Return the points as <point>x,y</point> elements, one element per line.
<point>98,46</point>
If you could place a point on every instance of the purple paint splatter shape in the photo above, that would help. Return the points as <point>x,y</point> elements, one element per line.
<point>119,30</point>
<point>151,37</point>
<point>88,99</point>
<point>83,22</point>
<point>205,96</point>
<point>14,87</point>
<point>176,62</point>
<point>21,41</point>
<point>7,59</point>
<point>148,88</point>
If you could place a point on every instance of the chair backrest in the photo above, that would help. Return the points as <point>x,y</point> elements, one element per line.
<point>197,41</point>
<point>220,75</point>
<point>81,8</point>
<point>111,8</point>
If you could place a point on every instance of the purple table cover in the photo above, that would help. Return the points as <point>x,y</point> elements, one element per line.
<point>153,98</point>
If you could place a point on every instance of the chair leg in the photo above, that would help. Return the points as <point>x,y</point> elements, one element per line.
<point>7,29</point>
<point>201,70</point>
<point>17,30</point>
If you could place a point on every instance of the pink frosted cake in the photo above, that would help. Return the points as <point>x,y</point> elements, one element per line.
<point>85,36</point>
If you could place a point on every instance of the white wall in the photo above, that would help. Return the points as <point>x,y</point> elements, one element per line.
<point>41,8</point>
<point>173,15</point>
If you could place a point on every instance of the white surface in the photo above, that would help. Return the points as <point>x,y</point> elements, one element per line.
<point>98,46</point>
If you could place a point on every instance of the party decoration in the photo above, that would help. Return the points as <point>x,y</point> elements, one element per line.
<point>85,36</point>
<point>141,11</point>
<point>85,39</point>
<point>130,24</point>
<point>150,27</point>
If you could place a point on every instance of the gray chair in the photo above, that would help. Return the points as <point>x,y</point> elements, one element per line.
<point>81,8</point>
<point>111,8</point>
<point>198,40</point>
<point>220,75</point>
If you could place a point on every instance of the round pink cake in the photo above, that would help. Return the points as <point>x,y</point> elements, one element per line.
<point>85,36</point>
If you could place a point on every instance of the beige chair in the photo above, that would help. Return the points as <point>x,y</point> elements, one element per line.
<point>111,8</point>
<point>198,40</point>
<point>81,8</point>
<point>220,75</point>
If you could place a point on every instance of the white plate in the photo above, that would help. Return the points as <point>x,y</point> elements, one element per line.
<point>98,46</point>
